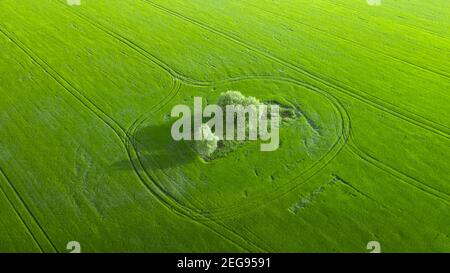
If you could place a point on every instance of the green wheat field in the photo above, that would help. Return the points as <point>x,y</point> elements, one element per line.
<point>86,153</point>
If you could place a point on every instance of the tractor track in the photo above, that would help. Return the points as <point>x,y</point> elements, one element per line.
<point>382,105</point>
<point>125,135</point>
<point>411,181</point>
<point>397,23</point>
<point>234,211</point>
<point>376,102</point>
<point>28,211</point>
<point>345,138</point>
<point>137,48</point>
<point>175,205</point>
<point>120,132</point>
<point>362,46</point>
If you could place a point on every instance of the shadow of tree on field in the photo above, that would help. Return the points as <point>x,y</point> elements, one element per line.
<point>158,150</point>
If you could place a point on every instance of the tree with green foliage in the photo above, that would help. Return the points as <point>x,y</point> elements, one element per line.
<point>236,98</point>
<point>208,143</point>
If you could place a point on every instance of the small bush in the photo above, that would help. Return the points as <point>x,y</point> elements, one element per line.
<point>287,113</point>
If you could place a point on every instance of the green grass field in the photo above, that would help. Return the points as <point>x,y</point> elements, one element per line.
<point>86,153</point>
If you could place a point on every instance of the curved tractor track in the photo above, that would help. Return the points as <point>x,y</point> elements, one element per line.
<point>411,181</point>
<point>371,100</point>
<point>354,43</point>
<point>258,202</point>
<point>123,139</point>
<point>211,220</point>
<point>345,137</point>
<point>360,95</point>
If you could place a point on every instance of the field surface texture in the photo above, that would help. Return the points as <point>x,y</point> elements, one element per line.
<point>86,153</point>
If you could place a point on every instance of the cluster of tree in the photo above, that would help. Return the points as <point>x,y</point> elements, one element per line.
<point>208,145</point>
<point>236,98</point>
